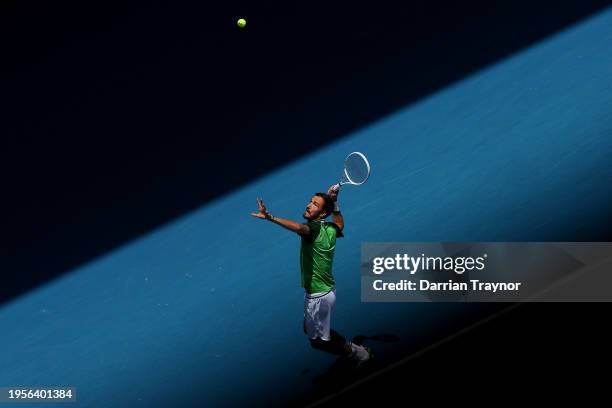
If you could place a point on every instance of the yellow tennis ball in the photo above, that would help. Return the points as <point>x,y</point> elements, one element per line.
<point>241,22</point>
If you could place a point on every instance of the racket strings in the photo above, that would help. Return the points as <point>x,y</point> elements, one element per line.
<point>356,168</point>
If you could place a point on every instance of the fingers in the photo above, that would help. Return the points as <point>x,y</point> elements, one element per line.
<point>261,210</point>
<point>333,189</point>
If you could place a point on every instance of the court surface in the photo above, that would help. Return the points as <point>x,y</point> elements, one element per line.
<point>209,308</point>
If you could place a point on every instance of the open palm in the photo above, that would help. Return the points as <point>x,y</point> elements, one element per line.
<point>263,211</point>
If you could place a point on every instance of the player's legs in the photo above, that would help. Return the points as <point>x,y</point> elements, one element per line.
<point>317,321</point>
<point>337,344</point>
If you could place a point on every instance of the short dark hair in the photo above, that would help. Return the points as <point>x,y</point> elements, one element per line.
<point>328,206</point>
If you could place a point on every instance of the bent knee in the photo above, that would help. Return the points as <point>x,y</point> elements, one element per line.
<point>319,344</point>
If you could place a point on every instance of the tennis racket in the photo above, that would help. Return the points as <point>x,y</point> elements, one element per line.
<point>356,170</point>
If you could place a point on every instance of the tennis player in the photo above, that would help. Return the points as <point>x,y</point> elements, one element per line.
<point>318,243</point>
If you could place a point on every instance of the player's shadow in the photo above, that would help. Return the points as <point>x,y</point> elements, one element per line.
<point>385,338</point>
<point>343,371</point>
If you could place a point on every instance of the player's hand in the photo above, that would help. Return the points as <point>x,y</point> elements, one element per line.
<point>333,191</point>
<point>263,211</point>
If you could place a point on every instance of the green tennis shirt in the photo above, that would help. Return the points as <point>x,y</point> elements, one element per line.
<point>317,256</point>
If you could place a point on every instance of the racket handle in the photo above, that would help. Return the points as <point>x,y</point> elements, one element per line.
<point>336,187</point>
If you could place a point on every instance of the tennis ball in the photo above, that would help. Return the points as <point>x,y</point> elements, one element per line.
<point>241,22</point>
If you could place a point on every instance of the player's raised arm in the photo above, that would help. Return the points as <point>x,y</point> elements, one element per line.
<point>288,224</point>
<point>336,215</point>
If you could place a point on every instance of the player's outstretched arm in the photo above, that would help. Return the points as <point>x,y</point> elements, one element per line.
<point>288,224</point>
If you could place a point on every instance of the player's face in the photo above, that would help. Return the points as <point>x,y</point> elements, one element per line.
<point>314,208</point>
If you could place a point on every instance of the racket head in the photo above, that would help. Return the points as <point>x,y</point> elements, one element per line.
<point>356,169</point>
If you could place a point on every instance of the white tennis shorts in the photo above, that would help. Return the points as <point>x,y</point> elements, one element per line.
<point>317,313</point>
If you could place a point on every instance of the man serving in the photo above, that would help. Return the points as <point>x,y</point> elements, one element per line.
<point>318,244</point>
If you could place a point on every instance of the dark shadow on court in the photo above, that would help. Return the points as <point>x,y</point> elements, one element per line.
<point>117,120</point>
<point>343,371</point>
<point>513,348</point>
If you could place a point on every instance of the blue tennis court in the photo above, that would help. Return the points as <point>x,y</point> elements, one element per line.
<point>208,308</point>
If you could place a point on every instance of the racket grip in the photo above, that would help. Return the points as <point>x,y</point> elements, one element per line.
<point>336,187</point>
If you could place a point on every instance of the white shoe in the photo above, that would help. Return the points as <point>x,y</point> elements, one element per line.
<point>360,354</point>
